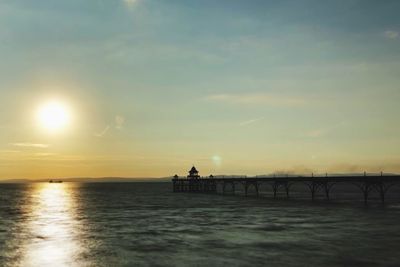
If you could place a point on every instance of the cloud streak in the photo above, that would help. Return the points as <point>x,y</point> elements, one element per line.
<point>391,34</point>
<point>257,99</point>
<point>102,133</point>
<point>130,3</point>
<point>44,154</point>
<point>30,145</point>
<point>244,123</point>
<point>119,122</point>
<point>9,151</point>
<point>316,133</point>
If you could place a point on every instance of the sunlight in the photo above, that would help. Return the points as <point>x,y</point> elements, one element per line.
<point>217,160</point>
<point>53,116</point>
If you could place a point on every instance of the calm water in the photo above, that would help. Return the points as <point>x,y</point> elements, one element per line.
<point>143,224</point>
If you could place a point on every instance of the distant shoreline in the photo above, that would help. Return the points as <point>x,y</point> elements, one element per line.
<point>89,180</point>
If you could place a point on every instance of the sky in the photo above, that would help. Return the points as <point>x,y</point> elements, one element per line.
<point>231,86</point>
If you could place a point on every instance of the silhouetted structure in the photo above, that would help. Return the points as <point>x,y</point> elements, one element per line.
<point>227,184</point>
<point>193,173</point>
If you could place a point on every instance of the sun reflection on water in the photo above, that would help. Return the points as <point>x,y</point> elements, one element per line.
<point>53,227</point>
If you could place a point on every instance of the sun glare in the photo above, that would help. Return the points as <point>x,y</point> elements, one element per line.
<point>53,116</point>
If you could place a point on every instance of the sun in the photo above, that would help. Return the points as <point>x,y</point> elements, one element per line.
<point>54,116</point>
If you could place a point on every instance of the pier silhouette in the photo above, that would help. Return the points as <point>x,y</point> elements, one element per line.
<point>367,183</point>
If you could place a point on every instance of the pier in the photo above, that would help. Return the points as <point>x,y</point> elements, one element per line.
<point>368,184</point>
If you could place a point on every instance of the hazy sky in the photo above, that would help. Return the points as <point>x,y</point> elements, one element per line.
<point>234,87</point>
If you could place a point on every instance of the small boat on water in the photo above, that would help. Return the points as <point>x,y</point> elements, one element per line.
<point>55,181</point>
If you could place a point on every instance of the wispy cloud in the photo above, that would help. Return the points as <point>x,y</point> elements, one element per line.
<point>316,133</point>
<point>130,3</point>
<point>391,34</point>
<point>119,122</point>
<point>30,145</point>
<point>102,133</point>
<point>44,154</point>
<point>257,99</point>
<point>243,123</point>
<point>9,151</point>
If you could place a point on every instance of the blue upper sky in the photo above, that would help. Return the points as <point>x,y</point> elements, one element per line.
<point>232,86</point>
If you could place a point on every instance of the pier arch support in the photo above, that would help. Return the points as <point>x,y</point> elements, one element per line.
<point>248,184</point>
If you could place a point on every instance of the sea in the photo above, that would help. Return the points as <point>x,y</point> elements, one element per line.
<point>145,224</point>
